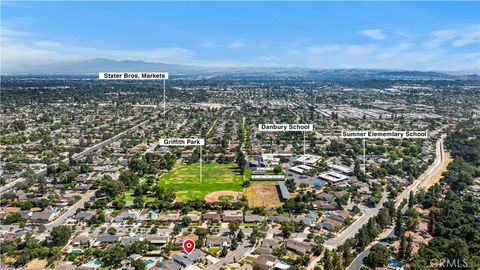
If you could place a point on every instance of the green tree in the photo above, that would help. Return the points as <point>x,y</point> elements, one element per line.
<point>60,235</point>
<point>398,224</point>
<point>112,231</point>
<point>287,229</point>
<point>240,235</point>
<point>138,264</point>
<point>327,260</point>
<point>12,218</point>
<point>337,261</point>
<point>139,202</point>
<point>240,160</point>
<point>128,178</point>
<point>279,251</point>
<point>253,236</point>
<point>411,200</point>
<point>113,256</point>
<point>224,252</point>
<point>233,226</point>
<point>379,256</point>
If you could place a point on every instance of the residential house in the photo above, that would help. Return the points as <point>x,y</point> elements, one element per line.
<point>194,217</point>
<point>211,216</point>
<point>180,239</point>
<point>232,215</point>
<point>340,215</point>
<point>157,239</point>
<point>83,216</point>
<point>42,216</point>
<point>168,217</point>
<point>339,194</point>
<point>125,216</point>
<point>188,259</point>
<point>327,224</point>
<point>267,246</point>
<point>251,218</point>
<point>324,205</point>
<point>217,241</point>
<point>278,219</point>
<point>82,239</point>
<point>128,240</point>
<point>107,239</point>
<point>297,246</point>
<point>167,265</point>
<point>265,262</point>
<point>326,197</point>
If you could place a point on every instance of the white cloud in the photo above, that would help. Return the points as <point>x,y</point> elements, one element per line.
<point>237,44</point>
<point>376,34</point>
<point>404,55</point>
<point>16,50</point>
<point>455,37</point>
<point>12,33</point>
<point>23,48</point>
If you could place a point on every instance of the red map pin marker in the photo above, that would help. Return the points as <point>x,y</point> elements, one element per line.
<point>188,245</point>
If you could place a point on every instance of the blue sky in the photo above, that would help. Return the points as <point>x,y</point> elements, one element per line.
<point>441,36</point>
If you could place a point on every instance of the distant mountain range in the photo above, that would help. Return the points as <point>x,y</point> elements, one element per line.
<point>93,66</point>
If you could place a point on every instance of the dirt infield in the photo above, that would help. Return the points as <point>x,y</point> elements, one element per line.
<point>214,196</point>
<point>263,195</point>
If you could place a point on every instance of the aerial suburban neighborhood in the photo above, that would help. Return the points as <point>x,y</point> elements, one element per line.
<point>91,185</point>
<point>239,135</point>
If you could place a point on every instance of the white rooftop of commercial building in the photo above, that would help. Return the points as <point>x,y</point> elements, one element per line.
<point>340,168</point>
<point>301,169</point>
<point>270,159</point>
<point>267,177</point>
<point>308,159</point>
<point>333,176</point>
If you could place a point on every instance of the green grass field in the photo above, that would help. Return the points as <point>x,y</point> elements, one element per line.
<point>129,196</point>
<point>185,180</point>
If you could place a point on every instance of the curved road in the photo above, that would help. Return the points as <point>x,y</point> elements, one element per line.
<point>354,227</point>
<point>434,168</point>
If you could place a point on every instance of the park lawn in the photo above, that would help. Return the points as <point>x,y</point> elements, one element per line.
<point>129,196</point>
<point>225,198</point>
<point>185,180</point>
<point>248,173</point>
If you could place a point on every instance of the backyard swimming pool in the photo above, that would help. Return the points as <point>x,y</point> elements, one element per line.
<point>396,263</point>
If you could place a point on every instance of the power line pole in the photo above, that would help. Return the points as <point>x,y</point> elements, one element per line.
<point>200,163</point>
<point>163,98</point>
<point>364,159</point>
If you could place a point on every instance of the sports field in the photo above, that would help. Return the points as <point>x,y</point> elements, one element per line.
<point>263,194</point>
<point>185,180</point>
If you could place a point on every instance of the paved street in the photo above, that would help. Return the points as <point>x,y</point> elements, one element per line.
<point>437,165</point>
<point>70,212</point>
<point>370,212</point>
<point>239,252</point>
<point>351,230</point>
<point>100,145</point>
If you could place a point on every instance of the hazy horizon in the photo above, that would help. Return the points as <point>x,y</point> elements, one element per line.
<point>413,36</point>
